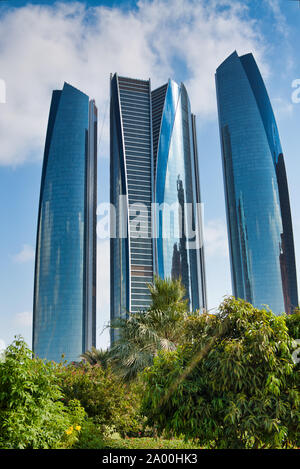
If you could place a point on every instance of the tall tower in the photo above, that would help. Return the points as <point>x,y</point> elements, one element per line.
<point>257,200</point>
<point>179,250</point>
<point>64,310</point>
<point>153,165</point>
<point>131,168</point>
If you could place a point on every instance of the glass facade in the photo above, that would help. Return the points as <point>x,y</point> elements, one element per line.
<point>153,160</point>
<point>256,191</point>
<point>177,195</point>
<point>64,311</point>
<point>131,195</point>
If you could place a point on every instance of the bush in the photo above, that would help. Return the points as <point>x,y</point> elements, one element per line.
<point>112,405</point>
<point>91,436</point>
<point>293,324</point>
<point>32,414</point>
<point>147,443</point>
<point>232,385</point>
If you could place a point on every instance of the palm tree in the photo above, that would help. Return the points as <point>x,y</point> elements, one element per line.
<point>142,335</point>
<point>168,308</point>
<point>168,293</point>
<point>96,357</point>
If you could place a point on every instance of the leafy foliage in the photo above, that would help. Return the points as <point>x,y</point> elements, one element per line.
<point>142,335</point>
<point>146,443</point>
<point>32,414</point>
<point>233,384</point>
<point>293,324</point>
<point>168,294</point>
<point>91,436</point>
<point>96,357</point>
<point>109,403</point>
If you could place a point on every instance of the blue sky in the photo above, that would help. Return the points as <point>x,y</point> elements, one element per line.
<point>43,44</point>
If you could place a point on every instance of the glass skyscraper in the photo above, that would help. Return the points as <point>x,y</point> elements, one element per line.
<point>256,191</point>
<point>131,190</point>
<point>64,311</point>
<point>155,194</point>
<point>176,181</point>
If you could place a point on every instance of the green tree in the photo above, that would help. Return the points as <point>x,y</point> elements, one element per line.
<point>232,384</point>
<point>32,414</point>
<point>168,294</point>
<point>293,324</point>
<point>142,335</point>
<point>111,404</point>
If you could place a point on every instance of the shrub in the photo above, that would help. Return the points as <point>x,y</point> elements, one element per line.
<point>147,443</point>
<point>91,436</point>
<point>293,324</point>
<point>32,414</point>
<point>232,385</point>
<point>109,402</point>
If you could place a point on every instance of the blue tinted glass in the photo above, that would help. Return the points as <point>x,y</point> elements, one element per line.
<point>60,325</point>
<point>258,213</point>
<point>175,188</point>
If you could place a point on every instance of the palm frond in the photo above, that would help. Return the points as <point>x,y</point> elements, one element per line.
<point>143,334</point>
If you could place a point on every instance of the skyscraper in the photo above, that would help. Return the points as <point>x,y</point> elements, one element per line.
<point>131,178</point>
<point>176,184</point>
<point>153,167</point>
<point>257,200</point>
<point>64,310</point>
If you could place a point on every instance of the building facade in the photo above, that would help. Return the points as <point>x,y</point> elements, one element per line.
<point>154,181</point>
<point>64,310</point>
<point>176,184</point>
<point>259,220</point>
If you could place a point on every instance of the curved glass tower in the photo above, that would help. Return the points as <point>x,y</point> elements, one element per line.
<point>256,191</point>
<point>64,311</point>
<point>177,194</point>
<point>154,186</point>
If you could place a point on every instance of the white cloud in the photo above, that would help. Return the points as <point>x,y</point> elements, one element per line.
<point>44,45</point>
<point>281,23</point>
<point>24,319</point>
<point>282,108</point>
<point>216,239</point>
<point>26,254</point>
<point>201,35</point>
